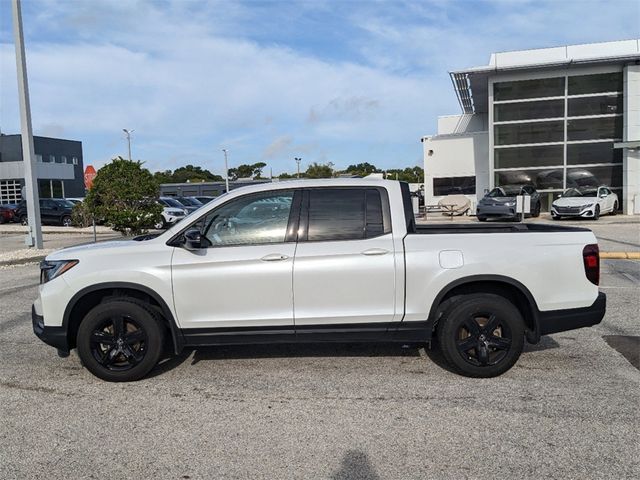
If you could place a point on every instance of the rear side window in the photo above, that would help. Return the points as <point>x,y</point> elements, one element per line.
<point>345,214</point>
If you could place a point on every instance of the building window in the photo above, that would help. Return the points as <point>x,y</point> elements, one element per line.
<point>38,158</point>
<point>589,153</point>
<point>505,112</point>
<point>518,157</point>
<point>594,176</point>
<point>74,160</point>
<point>10,191</point>
<point>454,185</point>
<point>542,179</point>
<point>600,128</point>
<point>599,105</point>
<point>604,82</point>
<point>63,159</point>
<point>539,88</point>
<point>52,159</point>
<point>522,133</point>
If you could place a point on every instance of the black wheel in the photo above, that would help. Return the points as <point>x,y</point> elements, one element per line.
<point>24,220</point>
<point>482,219</point>
<point>536,210</point>
<point>120,340</point>
<point>481,335</point>
<point>596,212</point>
<point>161,224</point>
<point>66,221</point>
<point>615,208</point>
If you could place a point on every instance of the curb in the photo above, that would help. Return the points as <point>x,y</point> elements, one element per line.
<point>621,255</point>
<point>22,261</point>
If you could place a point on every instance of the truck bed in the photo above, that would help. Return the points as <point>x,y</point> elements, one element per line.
<point>444,228</point>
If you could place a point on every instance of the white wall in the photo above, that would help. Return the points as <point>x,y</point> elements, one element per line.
<point>631,132</point>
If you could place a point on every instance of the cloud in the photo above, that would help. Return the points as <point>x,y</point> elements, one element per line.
<point>277,147</point>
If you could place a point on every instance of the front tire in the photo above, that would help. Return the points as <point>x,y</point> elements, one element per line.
<point>66,221</point>
<point>24,220</point>
<point>536,211</point>
<point>615,208</point>
<point>596,212</point>
<point>481,335</point>
<point>120,340</point>
<point>482,219</point>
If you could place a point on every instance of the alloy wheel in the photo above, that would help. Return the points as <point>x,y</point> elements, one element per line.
<point>483,340</point>
<point>118,343</point>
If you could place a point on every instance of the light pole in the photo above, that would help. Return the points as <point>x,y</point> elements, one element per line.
<point>226,169</point>
<point>298,160</point>
<point>34,237</point>
<point>128,135</point>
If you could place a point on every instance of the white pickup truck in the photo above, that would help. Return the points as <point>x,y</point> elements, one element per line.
<point>314,261</point>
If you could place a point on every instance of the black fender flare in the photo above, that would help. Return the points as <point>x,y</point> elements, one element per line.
<point>533,335</point>
<point>176,333</point>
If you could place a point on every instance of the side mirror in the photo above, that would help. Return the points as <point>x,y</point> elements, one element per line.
<point>603,195</point>
<point>559,195</point>
<point>193,240</point>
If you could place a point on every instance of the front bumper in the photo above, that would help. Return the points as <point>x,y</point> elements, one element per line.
<point>588,212</point>
<point>53,336</point>
<point>555,321</point>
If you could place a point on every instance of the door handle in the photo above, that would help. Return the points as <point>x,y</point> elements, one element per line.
<point>375,251</point>
<point>274,257</point>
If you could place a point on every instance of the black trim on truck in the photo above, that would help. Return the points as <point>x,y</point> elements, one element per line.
<point>555,321</point>
<point>53,336</point>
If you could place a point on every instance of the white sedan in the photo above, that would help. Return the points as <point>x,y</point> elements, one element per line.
<point>585,202</point>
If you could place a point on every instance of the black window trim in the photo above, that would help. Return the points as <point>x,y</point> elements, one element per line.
<point>304,215</point>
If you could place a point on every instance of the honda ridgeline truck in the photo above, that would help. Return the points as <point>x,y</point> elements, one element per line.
<point>318,261</point>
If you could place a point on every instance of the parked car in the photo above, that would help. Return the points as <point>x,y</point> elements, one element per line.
<point>75,200</point>
<point>204,199</point>
<point>501,202</point>
<point>585,202</point>
<point>170,214</point>
<point>56,211</point>
<point>171,202</point>
<point>6,214</point>
<point>350,257</point>
<point>190,203</point>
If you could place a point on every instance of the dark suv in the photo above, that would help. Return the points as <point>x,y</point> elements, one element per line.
<point>52,210</point>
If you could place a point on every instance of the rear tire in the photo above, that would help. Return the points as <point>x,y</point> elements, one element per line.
<point>481,335</point>
<point>120,340</point>
<point>66,221</point>
<point>24,220</point>
<point>615,208</point>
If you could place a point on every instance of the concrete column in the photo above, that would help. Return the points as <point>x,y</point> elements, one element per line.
<point>631,133</point>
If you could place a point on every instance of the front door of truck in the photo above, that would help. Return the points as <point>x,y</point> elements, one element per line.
<point>244,278</point>
<point>344,269</point>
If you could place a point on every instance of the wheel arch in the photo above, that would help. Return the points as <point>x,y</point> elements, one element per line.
<point>507,287</point>
<point>88,297</point>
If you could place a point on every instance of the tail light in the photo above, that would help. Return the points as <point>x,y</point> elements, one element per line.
<point>591,259</point>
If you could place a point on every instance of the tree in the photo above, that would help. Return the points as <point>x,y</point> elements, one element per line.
<point>318,170</point>
<point>247,171</point>
<point>409,174</point>
<point>189,173</point>
<point>362,169</point>
<point>163,177</point>
<point>124,195</point>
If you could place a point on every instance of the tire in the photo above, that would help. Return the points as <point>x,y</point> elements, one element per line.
<point>24,220</point>
<point>615,208</point>
<point>596,212</point>
<point>161,225</point>
<point>469,344</point>
<point>536,211</point>
<point>482,219</point>
<point>134,349</point>
<point>66,221</point>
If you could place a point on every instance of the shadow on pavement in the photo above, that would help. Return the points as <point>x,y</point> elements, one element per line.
<point>628,346</point>
<point>355,465</point>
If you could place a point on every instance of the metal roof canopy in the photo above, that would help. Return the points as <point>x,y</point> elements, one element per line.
<point>471,85</point>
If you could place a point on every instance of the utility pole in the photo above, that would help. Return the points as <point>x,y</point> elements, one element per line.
<point>298,160</point>
<point>128,135</point>
<point>34,237</point>
<point>226,169</point>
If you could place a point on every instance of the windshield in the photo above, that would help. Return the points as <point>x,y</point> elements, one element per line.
<point>66,203</point>
<point>190,202</point>
<point>504,192</point>
<point>581,192</point>
<point>170,202</point>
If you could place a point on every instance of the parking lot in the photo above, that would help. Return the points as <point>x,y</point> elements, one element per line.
<point>568,409</point>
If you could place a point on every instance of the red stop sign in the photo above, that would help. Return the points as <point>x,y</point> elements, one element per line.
<point>89,175</point>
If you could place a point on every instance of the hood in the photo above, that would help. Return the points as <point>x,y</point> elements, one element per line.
<point>496,200</point>
<point>73,252</point>
<point>574,201</point>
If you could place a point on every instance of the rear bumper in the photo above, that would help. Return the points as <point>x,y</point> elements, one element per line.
<point>53,336</point>
<point>562,320</point>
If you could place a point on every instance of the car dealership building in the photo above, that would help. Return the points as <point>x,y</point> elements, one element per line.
<point>554,118</point>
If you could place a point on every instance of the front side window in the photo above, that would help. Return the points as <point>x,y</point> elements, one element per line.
<point>249,220</point>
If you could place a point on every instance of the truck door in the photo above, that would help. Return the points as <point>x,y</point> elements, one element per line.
<point>344,267</point>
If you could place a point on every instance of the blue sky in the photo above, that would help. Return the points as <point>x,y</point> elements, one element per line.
<point>328,81</point>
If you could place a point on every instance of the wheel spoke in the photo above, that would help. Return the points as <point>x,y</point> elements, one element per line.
<point>105,338</point>
<point>491,325</point>
<point>483,353</point>
<point>134,337</point>
<point>471,325</point>
<point>108,356</point>
<point>118,326</point>
<point>467,344</point>
<point>130,354</point>
<point>500,343</point>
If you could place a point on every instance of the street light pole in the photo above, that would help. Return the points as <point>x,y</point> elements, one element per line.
<point>226,169</point>
<point>128,134</point>
<point>298,160</point>
<point>34,237</point>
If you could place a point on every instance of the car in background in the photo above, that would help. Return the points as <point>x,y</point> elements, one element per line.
<point>204,199</point>
<point>501,202</point>
<point>6,214</point>
<point>190,203</point>
<point>171,202</point>
<point>585,202</point>
<point>172,212</point>
<point>55,211</point>
<point>75,200</point>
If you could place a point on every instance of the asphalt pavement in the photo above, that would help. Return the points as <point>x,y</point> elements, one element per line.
<point>568,409</point>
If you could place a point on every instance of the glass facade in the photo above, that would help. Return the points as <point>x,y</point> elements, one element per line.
<point>556,133</point>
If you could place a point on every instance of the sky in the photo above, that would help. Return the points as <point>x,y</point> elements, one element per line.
<point>329,81</point>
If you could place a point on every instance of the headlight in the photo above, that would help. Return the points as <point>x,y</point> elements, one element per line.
<point>588,205</point>
<point>50,269</point>
<point>510,204</point>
